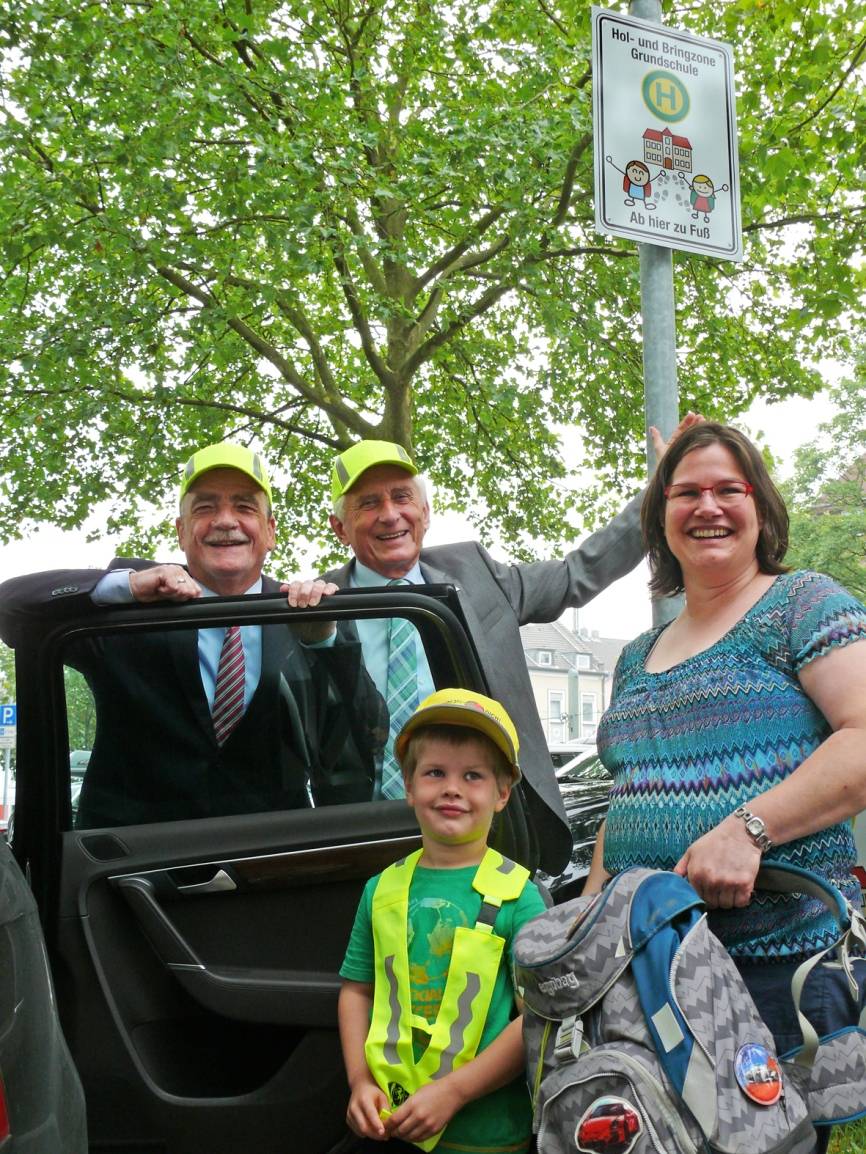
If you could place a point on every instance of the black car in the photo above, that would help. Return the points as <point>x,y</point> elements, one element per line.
<point>195,942</point>
<point>584,784</point>
<point>41,1101</point>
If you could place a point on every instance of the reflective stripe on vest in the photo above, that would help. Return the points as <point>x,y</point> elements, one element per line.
<point>474,964</point>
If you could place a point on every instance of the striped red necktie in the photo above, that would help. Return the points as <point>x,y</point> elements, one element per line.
<point>228,701</point>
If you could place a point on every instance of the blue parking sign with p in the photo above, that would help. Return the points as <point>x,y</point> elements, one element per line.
<point>8,715</point>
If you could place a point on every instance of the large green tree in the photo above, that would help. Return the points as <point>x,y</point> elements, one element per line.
<point>308,221</point>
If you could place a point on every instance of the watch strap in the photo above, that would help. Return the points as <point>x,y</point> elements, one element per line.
<point>755,828</point>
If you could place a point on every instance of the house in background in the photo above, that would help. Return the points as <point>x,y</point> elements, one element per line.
<point>571,674</point>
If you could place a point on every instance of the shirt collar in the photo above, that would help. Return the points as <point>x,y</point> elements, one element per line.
<point>256,587</point>
<point>363,577</point>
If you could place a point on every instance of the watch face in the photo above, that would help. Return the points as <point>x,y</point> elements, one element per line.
<point>755,826</point>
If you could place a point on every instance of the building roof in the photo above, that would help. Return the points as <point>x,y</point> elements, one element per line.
<point>564,643</point>
<point>654,134</point>
<point>552,637</point>
<point>606,650</point>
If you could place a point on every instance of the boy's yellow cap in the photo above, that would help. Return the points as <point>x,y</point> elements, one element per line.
<point>472,710</point>
<point>225,455</point>
<point>349,466</point>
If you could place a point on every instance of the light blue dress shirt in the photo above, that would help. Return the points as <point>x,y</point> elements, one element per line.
<point>373,633</point>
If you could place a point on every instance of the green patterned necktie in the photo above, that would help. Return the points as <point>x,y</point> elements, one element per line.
<point>401,695</point>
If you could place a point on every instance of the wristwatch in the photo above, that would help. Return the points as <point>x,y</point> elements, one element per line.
<point>755,826</point>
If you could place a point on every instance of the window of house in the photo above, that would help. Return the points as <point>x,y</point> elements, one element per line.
<point>545,657</point>
<point>588,715</point>
<point>556,724</point>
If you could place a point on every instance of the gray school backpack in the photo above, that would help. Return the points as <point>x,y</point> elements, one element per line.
<point>642,1038</point>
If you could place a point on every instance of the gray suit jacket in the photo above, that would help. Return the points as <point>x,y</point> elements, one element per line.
<point>496,600</point>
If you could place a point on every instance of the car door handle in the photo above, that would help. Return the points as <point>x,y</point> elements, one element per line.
<point>220,883</point>
<point>169,944</point>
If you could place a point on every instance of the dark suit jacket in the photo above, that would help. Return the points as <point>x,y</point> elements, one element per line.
<point>315,717</point>
<point>496,600</point>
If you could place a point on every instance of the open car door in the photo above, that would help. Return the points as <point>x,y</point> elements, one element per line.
<point>196,917</point>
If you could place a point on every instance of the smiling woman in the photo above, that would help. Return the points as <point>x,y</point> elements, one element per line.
<point>740,727</point>
<point>717,487</point>
<point>710,516</point>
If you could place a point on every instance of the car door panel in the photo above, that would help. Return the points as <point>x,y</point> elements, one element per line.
<point>202,930</point>
<point>196,961</point>
<point>221,994</point>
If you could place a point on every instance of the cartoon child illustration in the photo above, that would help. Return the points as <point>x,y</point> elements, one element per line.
<point>703,195</point>
<point>636,182</point>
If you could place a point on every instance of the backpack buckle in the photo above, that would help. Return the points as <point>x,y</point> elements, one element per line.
<point>569,1038</point>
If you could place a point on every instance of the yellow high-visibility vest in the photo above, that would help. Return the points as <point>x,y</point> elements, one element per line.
<point>475,957</point>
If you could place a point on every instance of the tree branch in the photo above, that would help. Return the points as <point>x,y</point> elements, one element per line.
<point>441,266</point>
<point>486,301</point>
<point>861,48</point>
<point>803,218</point>
<point>374,273</point>
<point>427,317</point>
<point>297,318</point>
<point>568,179</point>
<point>338,409</point>
<point>234,221</point>
<point>272,94</point>
<point>553,18</point>
<point>581,250</point>
<point>382,371</point>
<point>136,398</point>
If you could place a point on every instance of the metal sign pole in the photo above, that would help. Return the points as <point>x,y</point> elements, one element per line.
<point>6,772</point>
<point>661,396</point>
<point>666,174</point>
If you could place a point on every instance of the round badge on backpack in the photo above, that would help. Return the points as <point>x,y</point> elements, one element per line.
<point>758,1074</point>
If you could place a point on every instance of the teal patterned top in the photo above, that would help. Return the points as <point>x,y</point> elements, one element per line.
<point>688,745</point>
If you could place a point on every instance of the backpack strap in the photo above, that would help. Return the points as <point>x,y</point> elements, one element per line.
<point>664,909</point>
<point>780,877</point>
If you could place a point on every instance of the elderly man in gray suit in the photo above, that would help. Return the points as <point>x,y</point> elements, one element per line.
<point>381,512</point>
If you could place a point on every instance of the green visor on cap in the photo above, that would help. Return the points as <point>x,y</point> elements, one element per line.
<point>349,466</point>
<point>225,455</point>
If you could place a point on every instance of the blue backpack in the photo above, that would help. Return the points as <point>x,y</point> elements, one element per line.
<point>642,1038</point>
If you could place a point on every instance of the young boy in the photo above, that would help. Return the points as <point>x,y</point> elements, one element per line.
<point>430,1032</point>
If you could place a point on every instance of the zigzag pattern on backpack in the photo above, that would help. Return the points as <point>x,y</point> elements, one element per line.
<point>642,1038</point>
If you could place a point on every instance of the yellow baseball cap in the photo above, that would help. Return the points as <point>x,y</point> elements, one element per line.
<point>225,455</point>
<point>349,466</point>
<point>472,710</point>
